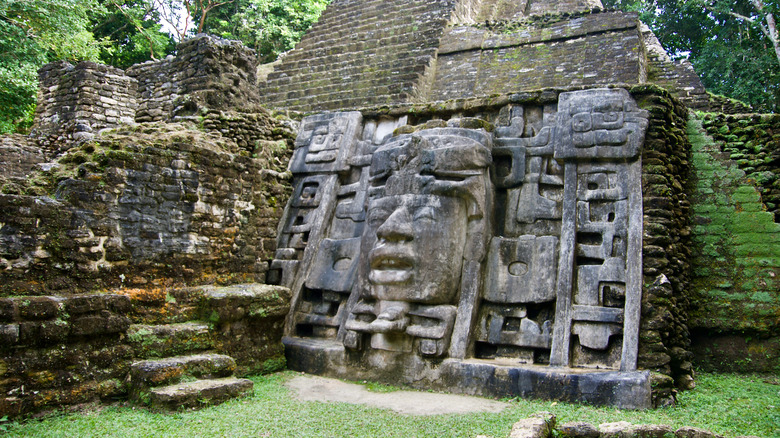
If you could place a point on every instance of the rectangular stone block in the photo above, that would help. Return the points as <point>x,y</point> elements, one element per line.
<point>85,304</point>
<point>7,309</point>
<point>89,325</point>
<point>37,308</point>
<point>9,334</point>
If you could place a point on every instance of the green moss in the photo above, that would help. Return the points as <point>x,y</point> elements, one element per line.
<point>273,365</point>
<point>735,240</point>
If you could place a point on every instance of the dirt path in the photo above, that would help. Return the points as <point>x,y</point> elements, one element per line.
<point>313,388</point>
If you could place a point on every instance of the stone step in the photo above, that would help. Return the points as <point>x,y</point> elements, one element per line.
<point>336,34</point>
<point>149,373</point>
<point>348,63</point>
<point>200,393</point>
<point>150,341</point>
<point>377,14</point>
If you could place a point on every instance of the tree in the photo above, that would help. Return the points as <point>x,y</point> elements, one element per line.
<point>732,44</point>
<point>133,27</point>
<point>180,14</point>
<point>33,32</point>
<point>269,26</point>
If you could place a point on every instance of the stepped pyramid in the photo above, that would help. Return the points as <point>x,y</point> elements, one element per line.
<point>373,53</point>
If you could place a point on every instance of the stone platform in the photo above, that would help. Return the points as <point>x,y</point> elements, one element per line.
<point>487,378</point>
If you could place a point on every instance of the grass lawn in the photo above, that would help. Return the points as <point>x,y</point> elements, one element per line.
<point>731,405</point>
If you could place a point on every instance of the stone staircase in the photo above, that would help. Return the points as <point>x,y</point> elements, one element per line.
<point>359,53</point>
<point>179,366</point>
<point>190,381</point>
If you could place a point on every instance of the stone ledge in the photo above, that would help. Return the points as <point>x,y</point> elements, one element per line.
<point>625,390</point>
<point>199,393</point>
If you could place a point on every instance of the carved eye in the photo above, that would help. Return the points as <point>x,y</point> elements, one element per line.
<point>611,116</point>
<point>581,122</point>
<point>425,214</point>
<point>377,217</point>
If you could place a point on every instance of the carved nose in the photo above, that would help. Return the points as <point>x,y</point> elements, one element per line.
<point>397,227</point>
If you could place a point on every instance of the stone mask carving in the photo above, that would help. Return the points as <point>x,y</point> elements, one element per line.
<point>427,196</point>
<point>441,256</point>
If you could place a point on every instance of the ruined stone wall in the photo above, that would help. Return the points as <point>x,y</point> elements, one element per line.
<point>359,54</point>
<point>147,207</point>
<point>666,169</point>
<point>156,89</point>
<point>20,156</point>
<point>735,313</point>
<point>74,101</point>
<point>206,72</point>
<point>581,50</point>
<point>59,351</point>
<point>363,54</point>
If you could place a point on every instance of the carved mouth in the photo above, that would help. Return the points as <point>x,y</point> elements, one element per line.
<point>390,267</point>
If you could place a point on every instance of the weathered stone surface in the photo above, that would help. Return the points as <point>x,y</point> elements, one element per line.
<point>170,339</point>
<point>96,354</point>
<point>694,432</point>
<point>620,429</point>
<point>199,393</point>
<point>244,301</point>
<point>652,431</point>
<point>539,425</point>
<point>193,209</point>
<point>440,270</point>
<point>578,429</point>
<point>167,371</point>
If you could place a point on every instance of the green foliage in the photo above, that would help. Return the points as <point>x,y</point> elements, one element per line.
<point>269,26</point>
<point>133,27</point>
<point>726,404</point>
<point>732,55</point>
<point>32,33</point>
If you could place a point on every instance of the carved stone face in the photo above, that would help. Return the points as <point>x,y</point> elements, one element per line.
<point>418,249</point>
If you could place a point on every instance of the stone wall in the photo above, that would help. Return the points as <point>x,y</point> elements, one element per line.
<point>582,49</point>
<point>147,206</point>
<point>20,156</point>
<point>364,54</point>
<point>480,11</point>
<point>206,72</point>
<point>753,143</point>
<point>73,101</point>
<point>58,351</point>
<point>664,338</point>
<point>736,263</point>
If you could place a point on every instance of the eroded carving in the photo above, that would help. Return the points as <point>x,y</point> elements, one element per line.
<point>599,123</point>
<point>428,194</point>
<point>455,240</point>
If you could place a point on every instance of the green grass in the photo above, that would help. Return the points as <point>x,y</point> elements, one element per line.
<point>731,405</point>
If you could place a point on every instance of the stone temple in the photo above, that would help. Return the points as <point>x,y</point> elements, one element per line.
<point>487,197</point>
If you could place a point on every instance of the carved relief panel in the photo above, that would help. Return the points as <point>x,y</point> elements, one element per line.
<point>519,243</point>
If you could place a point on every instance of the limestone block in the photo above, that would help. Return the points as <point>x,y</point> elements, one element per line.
<point>578,430</point>
<point>38,308</point>
<point>694,432</point>
<point>9,333</point>
<point>539,425</point>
